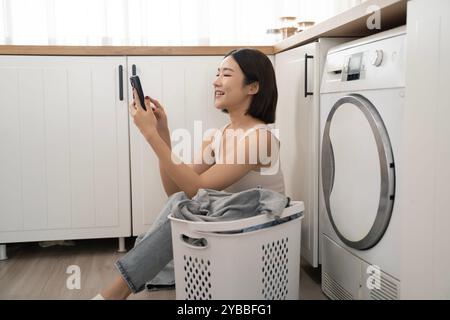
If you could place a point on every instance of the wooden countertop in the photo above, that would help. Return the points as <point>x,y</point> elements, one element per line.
<point>125,50</point>
<point>351,23</point>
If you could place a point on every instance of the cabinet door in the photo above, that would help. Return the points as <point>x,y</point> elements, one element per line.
<point>183,85</point>
<point>424,177</point>
<point>298,122</point>
<point>64,149</point>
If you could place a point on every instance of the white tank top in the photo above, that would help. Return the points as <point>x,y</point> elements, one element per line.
<point>268,178</point>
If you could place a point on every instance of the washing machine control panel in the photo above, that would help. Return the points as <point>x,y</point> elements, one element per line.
<point>356,64</point>
<point>379,64</point>
<point>354,67</point>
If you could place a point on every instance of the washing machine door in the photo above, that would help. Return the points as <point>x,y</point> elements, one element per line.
<point>358,172</point>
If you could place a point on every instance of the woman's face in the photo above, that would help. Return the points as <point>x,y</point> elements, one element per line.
<point>229,89</point>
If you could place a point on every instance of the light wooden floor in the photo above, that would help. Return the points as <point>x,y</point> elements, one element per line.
<point>32,272</point>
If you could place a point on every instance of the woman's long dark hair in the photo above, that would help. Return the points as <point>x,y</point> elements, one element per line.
<point>257,67</point>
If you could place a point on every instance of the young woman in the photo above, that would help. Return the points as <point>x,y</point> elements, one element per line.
<point>245,88</point>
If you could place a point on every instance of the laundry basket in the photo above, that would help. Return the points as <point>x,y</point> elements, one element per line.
<point>212,263</point>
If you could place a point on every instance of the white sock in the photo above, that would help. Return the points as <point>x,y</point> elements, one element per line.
<point>98,297</point>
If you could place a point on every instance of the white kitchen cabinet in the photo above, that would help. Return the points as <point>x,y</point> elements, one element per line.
<point>299,73</point>
<point>64,171</point>
<point>183,85</point>
<point>425,176</point>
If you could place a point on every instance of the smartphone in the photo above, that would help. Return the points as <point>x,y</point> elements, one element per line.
<point>136,84</point>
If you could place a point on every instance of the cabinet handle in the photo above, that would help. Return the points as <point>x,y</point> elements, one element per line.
<point>306,75</point>
<point>121,83</point>
<point>133,70</point>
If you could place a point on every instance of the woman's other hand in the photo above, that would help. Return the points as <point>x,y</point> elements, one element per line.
<point>161,117</point>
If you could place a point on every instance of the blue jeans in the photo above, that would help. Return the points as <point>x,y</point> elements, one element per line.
<point>151,253</point>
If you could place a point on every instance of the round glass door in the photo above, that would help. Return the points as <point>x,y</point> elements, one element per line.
<point>358,172</point>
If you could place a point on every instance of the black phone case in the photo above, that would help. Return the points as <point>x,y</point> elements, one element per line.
<point>136,83</point>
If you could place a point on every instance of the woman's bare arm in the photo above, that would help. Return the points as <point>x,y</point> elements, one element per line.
<point>170,186</point>
<point>218,176</point>
<point>154,120</point>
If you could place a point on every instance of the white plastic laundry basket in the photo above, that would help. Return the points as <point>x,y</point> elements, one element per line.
<point>262,264</point>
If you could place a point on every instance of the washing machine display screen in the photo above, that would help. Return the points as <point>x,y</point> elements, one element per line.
<point>354,67</point>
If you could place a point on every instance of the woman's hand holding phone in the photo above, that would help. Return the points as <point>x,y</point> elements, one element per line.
<point>145,120</point>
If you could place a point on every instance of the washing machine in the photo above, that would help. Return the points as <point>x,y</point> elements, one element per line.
<point>362,102</point>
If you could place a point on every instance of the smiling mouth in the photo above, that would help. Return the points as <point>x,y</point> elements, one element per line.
<point>219,93</point>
